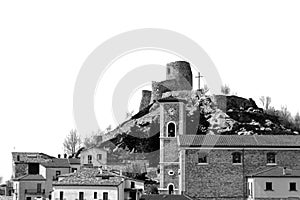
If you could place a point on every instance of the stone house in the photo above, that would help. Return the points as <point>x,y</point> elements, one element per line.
<point>95,183</point>
<point>24,163</point>
<point>93,156</point>
<point>276,182</point>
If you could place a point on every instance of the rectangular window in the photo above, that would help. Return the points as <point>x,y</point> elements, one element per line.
<point>269,186</point>
<point>105,195</point>
<point>90,159</point>
<point>81,196</point>
<point>39,188</point>
<point>57,173</point>
<point>293,186</point>
<point>61,195</point>
<point>236,158</point>
<point>95,195</point>
<point>271,158</point>
<point>99,156</point>
<point>202,158</point>
<point>132,184</point>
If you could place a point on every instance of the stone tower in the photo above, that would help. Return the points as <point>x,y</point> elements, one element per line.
<point>179,77</point>
<point>172,124</point>
<point>181,71</point>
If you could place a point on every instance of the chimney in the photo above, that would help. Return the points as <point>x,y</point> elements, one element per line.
<point>284,171</point>
<point>58,156</point>
<point>65,155</point>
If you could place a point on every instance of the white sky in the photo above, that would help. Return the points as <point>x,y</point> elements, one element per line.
<point>254,44</point>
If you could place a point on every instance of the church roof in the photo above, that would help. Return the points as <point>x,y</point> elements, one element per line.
<point>239,141</point>
<point>164,197</point>
<point>277,172</point>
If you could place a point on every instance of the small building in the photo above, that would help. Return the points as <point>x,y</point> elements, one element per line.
<point>51,170</point>
<point>24,163</point>
<point>274,183</point>
<point>94,183</point>
<point>74,164</point>
<point>94,157</point>
<point>28,187</point>
<point>6,189</point>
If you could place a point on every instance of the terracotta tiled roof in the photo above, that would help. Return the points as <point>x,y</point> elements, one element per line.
<point>30,177</point>
<point>164,197</point>
<point>277,172</point>
<point>57,163</point>
<point>91,176</point>
<point>239,141</point>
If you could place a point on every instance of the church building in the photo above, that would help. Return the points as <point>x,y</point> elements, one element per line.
<point>217,166</point>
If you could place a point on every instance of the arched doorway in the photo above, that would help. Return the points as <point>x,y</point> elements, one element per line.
<point>171,188</point>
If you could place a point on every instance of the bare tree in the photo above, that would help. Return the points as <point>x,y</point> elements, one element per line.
<point>94,139</point>
<point>72,142</point>
<point>297,120</point>
<point>225,89</point>
<point>265,101</point>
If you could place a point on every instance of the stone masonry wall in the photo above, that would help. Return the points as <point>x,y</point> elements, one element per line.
<point>146,99</point>
<point>221,179</point>
<point>171,178</point>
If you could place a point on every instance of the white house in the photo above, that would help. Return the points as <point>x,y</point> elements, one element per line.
<point>94,183</point>
<point>274,183</point>
<point>93,156</point>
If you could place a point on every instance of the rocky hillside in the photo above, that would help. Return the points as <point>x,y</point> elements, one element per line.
<point>205,114</point>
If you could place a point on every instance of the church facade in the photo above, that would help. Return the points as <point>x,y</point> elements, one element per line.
<point>216,166</point>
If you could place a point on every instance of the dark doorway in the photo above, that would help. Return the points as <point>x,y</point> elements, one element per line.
<point>80,195</point>
<point>171,189</point>
<point>132,195</point>
<point>33,168</point>
<point>28,198</point>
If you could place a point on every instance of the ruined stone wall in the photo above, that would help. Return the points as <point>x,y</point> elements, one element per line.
<point>221,179</point>
<point>179,77</point>
<point>146,99</point>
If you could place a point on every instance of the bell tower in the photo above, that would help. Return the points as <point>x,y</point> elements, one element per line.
<point>172,124</point>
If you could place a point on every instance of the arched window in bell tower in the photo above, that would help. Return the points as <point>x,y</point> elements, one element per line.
<point>171,129</point>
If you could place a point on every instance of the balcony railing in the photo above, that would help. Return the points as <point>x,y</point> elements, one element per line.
<point>34,191</point>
